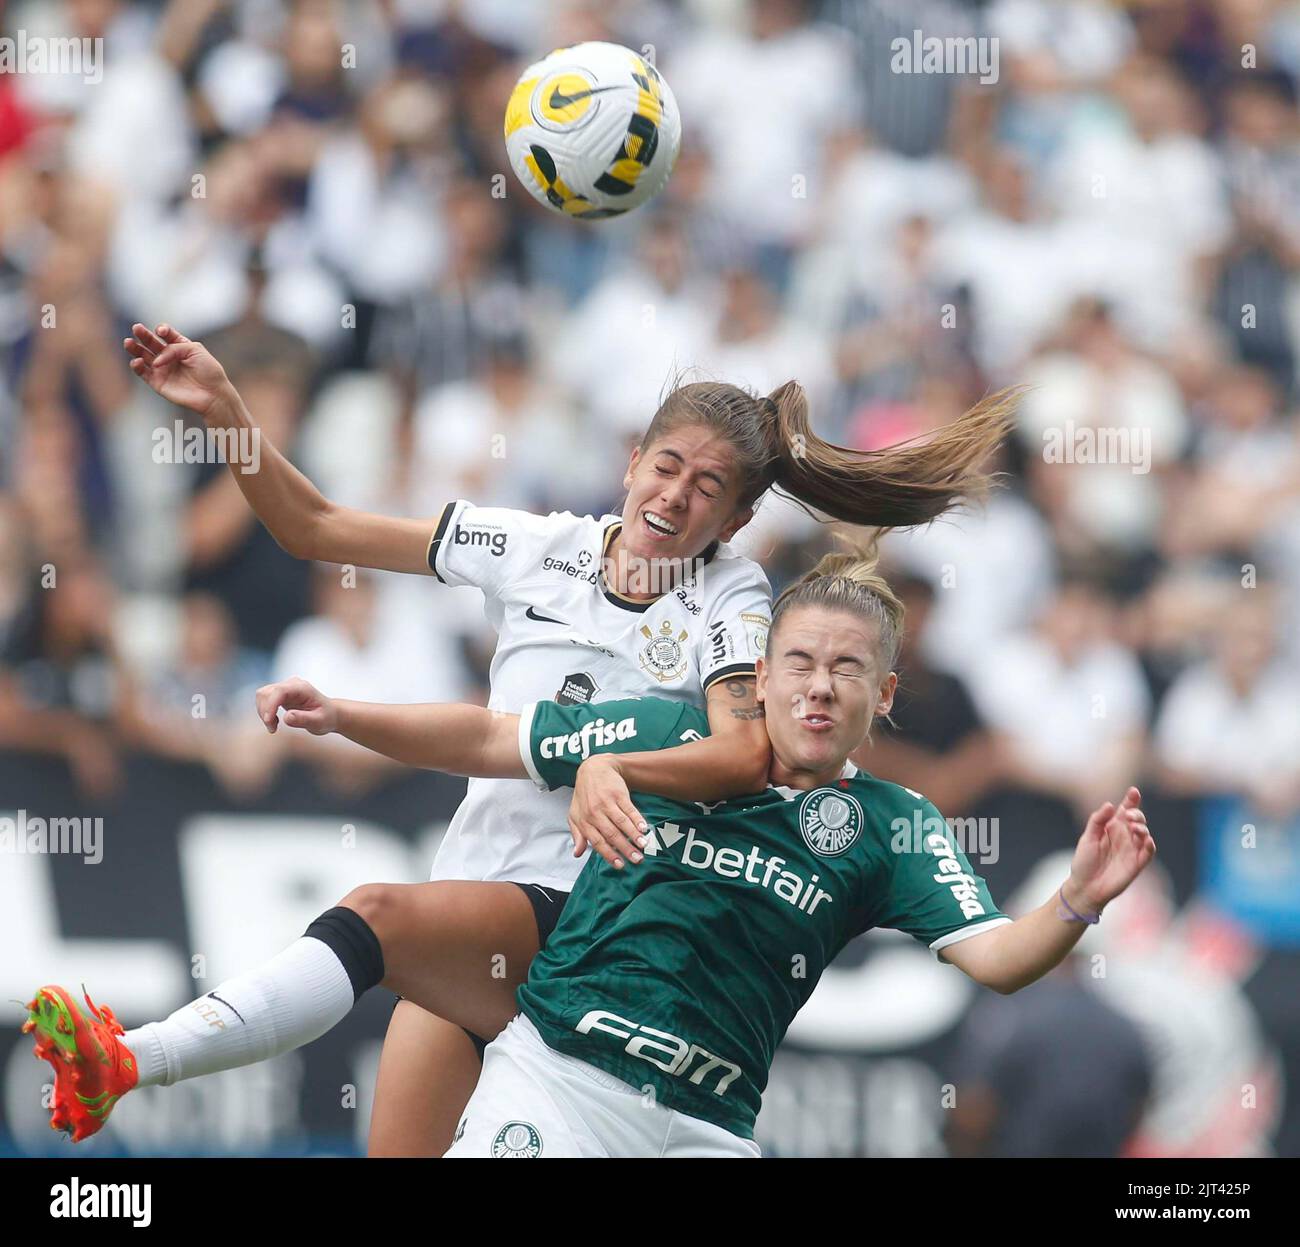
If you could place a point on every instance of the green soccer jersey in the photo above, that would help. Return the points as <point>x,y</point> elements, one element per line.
<point>683,972</point>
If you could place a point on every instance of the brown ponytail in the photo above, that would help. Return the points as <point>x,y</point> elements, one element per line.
<point>898,486</point>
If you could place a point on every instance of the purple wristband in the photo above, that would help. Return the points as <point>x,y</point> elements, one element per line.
<point>1074,917</point>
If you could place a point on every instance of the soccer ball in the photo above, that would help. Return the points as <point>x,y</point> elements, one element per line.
<point>592,130</point>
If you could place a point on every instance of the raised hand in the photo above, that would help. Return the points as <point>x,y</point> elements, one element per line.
<point>303,707</point>
<point>1114,849</point>
<point>183,372</point>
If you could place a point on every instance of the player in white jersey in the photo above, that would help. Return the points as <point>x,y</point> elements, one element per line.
<point>651,601</point>
<point>565,635</point>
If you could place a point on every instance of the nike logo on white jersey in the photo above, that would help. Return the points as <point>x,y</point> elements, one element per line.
<point>532,614</point>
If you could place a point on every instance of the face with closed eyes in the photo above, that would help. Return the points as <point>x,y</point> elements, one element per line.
<point>821,686</point>
<point>683,493</point>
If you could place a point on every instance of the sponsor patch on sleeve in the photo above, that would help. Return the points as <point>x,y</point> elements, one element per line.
<point>756,628</point>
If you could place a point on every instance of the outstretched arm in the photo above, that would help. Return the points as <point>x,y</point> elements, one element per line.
<point>458,739</point>
<point>731,762</point>
<point>300,518</point>
<point>1114,849</point>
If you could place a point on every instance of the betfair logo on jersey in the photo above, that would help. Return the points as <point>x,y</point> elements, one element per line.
<point>593,735</point>
<point>830,821</point>
<point>766,872</point>
<point>493,539</point>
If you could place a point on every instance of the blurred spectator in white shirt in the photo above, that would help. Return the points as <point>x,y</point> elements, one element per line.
<point>1069,702</point>
<point>1053,54</point>
<point>364,645</point>
<point>765,99</point>
<point>201,262</point>
<point>1244,483</point>
<point>374,195</point>
<point>1103,421</point>
<point>753,345</point>
<point>198,706</point>
<point>874,204</point>
<point>622,346</point>
<point>123,110</point>
<point>506,436</point>
<point>440,330</point>
<point>1141,198</point>
<point>993,568</point>
<point>1011,257</point>
<point>1257,286</point>
<point>355,646</point>
<point>1231,724</point>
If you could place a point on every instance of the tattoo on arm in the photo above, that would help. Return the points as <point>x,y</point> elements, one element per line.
<point>744,690</point>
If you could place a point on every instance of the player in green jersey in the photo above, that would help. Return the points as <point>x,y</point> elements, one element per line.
<point>649,1021</point>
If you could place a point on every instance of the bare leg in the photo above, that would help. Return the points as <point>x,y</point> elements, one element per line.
<point>427,1074</point>
<point>457,949</point>
<point>456,952</point>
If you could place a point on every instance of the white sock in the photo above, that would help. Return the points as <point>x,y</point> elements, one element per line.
<point>287,1002</point>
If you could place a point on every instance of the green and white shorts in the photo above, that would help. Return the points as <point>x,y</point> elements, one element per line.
<point>532,1101</point>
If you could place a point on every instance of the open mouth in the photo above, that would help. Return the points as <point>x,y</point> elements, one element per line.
<point>657,526</point>
<point>817,722</point>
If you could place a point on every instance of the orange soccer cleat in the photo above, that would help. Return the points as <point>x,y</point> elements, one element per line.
<point>93,1068</point>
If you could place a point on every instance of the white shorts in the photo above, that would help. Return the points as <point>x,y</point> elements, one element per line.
<point>532,1101</point>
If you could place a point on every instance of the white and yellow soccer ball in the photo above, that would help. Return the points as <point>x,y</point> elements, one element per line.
<point>592,130</point>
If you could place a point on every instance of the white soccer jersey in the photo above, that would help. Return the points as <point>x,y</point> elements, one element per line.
<point>564,635</point>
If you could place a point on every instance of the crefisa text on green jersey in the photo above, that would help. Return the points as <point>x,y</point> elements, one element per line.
<point>592,735</point>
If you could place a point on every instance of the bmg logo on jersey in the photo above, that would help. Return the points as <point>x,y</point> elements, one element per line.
<point>493,538</point>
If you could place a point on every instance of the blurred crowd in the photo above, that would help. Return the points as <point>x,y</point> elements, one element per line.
<point>318,190</point>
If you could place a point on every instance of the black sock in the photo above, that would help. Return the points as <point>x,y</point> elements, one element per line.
<point>349,937</point>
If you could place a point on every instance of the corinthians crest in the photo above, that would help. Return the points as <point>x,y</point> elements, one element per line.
<point>663,655</point>
<point>831,820</point>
